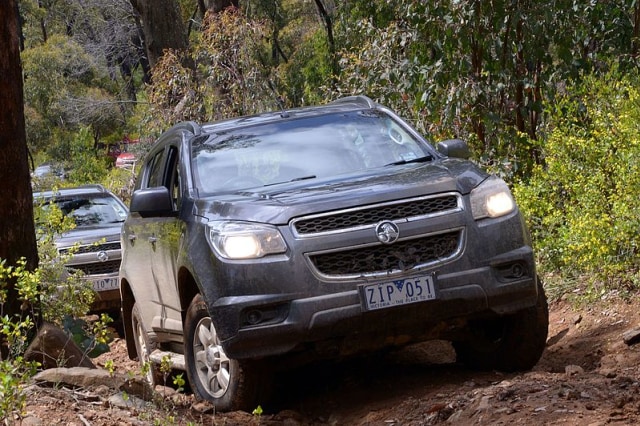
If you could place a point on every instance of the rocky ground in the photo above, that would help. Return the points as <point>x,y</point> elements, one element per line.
<point>588,375</point>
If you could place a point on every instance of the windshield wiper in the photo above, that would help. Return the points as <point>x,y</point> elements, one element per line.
<point>293,180</point>
<point>413,160</point>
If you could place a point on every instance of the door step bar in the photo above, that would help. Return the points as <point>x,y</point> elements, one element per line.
<point>176,360</point>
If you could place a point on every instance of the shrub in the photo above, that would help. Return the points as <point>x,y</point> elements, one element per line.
<point>581,204</point>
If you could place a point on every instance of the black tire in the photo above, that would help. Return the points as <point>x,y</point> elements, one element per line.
<point>144,347</point>
<point>230,384</point>
<point>510,343</point>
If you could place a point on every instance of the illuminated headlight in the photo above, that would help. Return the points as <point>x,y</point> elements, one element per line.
<point>492,199</point>
<point>244,240</point>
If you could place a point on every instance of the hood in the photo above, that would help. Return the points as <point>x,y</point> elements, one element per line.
<point>277,204</point>
<point>90,234</point>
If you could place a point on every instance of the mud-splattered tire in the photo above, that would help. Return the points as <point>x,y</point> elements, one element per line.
<point>144,347</point>
<point>510,343</point>
<point>230,384</point>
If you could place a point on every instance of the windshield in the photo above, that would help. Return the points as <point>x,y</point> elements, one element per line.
<point>313,147</point>
<point>89,210</point>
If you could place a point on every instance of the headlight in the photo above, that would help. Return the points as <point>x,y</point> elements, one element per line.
<point>492,199</point>
<point>244,240</point>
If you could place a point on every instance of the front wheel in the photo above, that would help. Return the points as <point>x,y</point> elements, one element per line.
<point>510,343</point>
<point>230,384</point>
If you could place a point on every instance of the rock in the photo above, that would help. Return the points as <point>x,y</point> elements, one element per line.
<point>126,401</point>
<point>93,378</point>
<point>204,407</point>
<point>31,421</point>
<point>572,370</point>
<point>484,404</point>
<point>631,337</point>
<point>79,377</point>
<point>609,373</point>
<point>52,348</point>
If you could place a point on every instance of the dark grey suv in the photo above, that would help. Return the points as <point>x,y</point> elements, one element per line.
<point>95,241</point>
<point>320,232</point>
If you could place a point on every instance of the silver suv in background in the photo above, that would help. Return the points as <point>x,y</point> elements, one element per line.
<point>320,232</point>
<point>95,241</point>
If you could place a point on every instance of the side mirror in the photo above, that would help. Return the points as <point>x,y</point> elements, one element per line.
<point>151,202</point>
<point>456,148</point>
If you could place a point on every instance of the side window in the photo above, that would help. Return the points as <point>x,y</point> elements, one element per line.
<point>173,177</point>
<point>155,171</point>
<point>164,171</point>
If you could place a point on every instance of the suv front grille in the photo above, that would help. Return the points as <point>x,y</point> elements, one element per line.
<point>372,215</point>
<point>381,259</point>
<point>108,267</point>
<point>90,248</point>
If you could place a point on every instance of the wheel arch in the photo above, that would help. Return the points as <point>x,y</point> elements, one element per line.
<point>187,289</point>
<point>128,300</point>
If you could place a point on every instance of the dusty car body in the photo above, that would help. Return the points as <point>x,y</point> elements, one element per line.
<point>321,232</point>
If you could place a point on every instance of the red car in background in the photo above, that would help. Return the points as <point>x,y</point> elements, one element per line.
<point>120,152</point>
<point>126,159</point>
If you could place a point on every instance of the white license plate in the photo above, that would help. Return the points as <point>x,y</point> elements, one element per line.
<point>104,284</point>
<point>398,292</point>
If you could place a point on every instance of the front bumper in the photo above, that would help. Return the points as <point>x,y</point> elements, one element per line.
<point>336,324</point>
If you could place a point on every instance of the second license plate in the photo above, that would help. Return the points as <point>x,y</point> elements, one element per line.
<point>104,284</point>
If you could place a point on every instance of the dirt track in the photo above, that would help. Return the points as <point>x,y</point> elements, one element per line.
<point>587,376</point>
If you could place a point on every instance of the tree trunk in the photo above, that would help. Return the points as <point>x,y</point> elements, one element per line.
<point>217,6</point>
<point>17,231</point>
<point>162,26</point>
<point>328,25</point>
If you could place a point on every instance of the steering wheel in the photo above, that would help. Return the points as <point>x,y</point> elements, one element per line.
<point>241,182</point>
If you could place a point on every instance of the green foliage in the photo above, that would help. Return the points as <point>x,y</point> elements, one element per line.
<point>179,382</point>
<point>66,88</point>
<point>481,71</point>
<point>60,297</point>
<point>581,205</point>
<point>78,153</point>
<point>62,293</point>
<point>15,330</point>
<point>307,71</point>
<point>13,396</point>
<point>91,339</point>
<point>230,79</point>
<point>14,371</point>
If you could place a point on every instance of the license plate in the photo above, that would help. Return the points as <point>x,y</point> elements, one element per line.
<point>104,284</point>
<point>397,292</point>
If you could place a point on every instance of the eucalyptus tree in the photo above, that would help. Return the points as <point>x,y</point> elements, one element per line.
<point>68,89</point>
<point>162,25</point>
<point>482,69</point>
<point>81,58</point>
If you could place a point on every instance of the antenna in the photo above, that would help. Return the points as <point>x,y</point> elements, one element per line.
<point>279,100</point>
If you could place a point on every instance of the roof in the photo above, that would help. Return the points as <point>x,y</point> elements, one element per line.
<point>349,103</point>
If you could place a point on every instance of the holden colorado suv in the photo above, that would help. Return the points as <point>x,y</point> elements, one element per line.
<point>95,241</point>
<point>320,233</point>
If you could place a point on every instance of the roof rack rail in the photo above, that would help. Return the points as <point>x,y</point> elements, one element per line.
<point>358,99</point>
<point>190,126</point>
<point>97,186</point>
